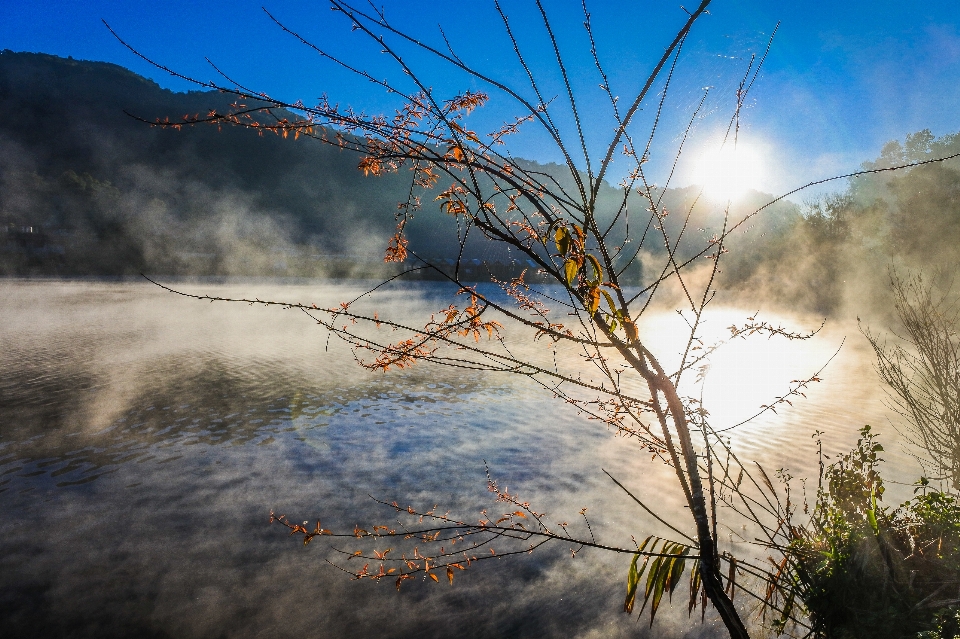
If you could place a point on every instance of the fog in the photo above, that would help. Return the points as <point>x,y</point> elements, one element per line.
<point>149,443</point>
<point>147,437</point>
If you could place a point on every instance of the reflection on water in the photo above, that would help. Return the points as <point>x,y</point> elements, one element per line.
<point>145,438</point>
<point>185,399</point>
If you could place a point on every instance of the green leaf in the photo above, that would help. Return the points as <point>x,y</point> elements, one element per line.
<point>872,513</point>
<point>613,307</point>
<point>677,571</point>
<point>570,269</point>
<point>633,578</point>
<point>562,239</point>
<point>660,584</point>
<point>694,585</point>
<point>643,566</point>
<point>597,269</point>
<point>652,578</point>
<point>664,576</point>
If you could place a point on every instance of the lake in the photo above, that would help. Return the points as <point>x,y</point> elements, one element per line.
<point>145,439</point>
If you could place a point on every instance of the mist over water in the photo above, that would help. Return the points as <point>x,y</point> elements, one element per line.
<point>145,438</point>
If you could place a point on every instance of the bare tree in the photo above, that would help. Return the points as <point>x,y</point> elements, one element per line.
<point>568,323</point>
<point>922,373</point>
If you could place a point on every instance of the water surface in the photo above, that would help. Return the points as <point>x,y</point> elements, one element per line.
<point>145,438</point>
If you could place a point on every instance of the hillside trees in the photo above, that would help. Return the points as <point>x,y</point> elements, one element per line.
<point>835,252</point>
<point>113,197</point>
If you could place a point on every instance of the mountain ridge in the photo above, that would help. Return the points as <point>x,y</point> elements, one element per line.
<point>113,195</point>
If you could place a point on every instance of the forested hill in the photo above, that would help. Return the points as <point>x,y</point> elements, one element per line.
<point>87,189</point>
<point>113,195</point>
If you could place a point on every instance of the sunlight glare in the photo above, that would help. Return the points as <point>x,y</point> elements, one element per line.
<point>728,172</point>
<point>744,373</point>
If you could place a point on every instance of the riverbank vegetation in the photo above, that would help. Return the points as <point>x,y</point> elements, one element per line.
<point>859,569</point>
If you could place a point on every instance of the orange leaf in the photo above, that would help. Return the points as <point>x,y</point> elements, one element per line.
<point>593,300</point>
<point>450,574</point>
<point>434,577</point>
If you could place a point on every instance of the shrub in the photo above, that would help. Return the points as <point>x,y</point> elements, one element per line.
<point>863,570</point>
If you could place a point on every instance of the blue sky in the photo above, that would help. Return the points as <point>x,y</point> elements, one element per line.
<point>841,79</point>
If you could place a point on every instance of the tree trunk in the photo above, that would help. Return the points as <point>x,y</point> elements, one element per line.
<point>709,570</point>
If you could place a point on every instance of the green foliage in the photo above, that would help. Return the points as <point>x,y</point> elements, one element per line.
<point>865,571</point>
<point>947,626</point>
<point>664,567</point>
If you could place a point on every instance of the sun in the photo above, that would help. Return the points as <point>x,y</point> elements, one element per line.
<point>726,173</point>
